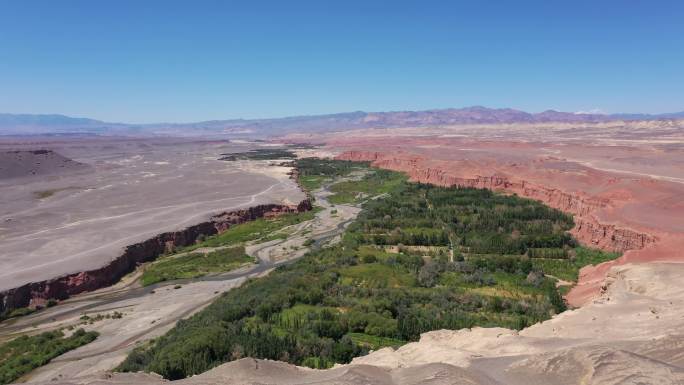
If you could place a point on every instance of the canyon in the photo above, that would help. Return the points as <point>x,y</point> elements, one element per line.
<point>587,229</point>
<point>117,203</point>
<point>623,184</point>
<point>626,327</point>
<point>37,294</point>
<point>616,208</point>
<point>347,193</point>
<point>147,312</point>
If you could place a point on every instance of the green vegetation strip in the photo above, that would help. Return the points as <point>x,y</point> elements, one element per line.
<point>260,154</point>
<point>378,182</point>
<point>187,263</point>
<point>313,173</point>
<point>18,312</point>
<point>568,268</point>
<point>424,258</point>
<point>258,229</point>
<point>25,353</point>
<point>194,265</point>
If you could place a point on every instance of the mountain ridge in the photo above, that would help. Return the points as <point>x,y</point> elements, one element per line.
<point>18,124</point>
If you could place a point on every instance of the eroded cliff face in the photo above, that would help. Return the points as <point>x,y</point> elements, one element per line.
<point>37,293</point>
<point>587,228</point>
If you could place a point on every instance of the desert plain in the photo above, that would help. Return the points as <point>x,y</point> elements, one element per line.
<point>114,193</point>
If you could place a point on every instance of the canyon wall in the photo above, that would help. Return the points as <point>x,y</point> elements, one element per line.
<point>587,229</point>
<point>37,293</point>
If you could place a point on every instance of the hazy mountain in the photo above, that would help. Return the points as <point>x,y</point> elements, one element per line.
<point>670,115</point>
<point>12,124</point>
<point>44,120</point>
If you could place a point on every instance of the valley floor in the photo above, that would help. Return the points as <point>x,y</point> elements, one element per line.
<point>418,258</point>
<point>422,243</point>
<point>611,341</point>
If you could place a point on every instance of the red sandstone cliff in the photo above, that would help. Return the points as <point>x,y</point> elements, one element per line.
<point>637,245</point>
<point>63,287</point>
<point>587,229</point>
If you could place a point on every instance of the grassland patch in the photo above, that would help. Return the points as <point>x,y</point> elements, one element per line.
<point>194,264</point>
<point>25,353</point>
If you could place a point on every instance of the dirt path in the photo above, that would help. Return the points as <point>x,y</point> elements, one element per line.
<point>560,282</point>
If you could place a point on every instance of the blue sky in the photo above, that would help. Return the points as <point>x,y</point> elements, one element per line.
<point>151,61</point>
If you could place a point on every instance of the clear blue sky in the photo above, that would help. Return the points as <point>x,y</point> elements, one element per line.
<point>148,61</point>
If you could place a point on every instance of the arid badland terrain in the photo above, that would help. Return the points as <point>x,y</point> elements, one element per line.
<point>63,217</point>
<point>623,181</point>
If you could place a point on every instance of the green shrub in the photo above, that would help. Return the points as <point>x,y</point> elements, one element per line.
<point>26,353</point>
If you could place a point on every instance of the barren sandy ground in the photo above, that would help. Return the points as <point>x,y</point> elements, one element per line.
<point>138,188</point>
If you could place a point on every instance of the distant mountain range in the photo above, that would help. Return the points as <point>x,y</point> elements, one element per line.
<point>671,115</point>
<point>26,124</point>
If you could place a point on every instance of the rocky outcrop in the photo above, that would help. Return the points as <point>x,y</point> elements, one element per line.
<point>587,229</point>
<point>608,236</point>
<point>37,293</point>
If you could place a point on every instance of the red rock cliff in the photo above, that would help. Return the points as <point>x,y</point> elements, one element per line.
<point>61,288</point>
<point>587,229</point>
